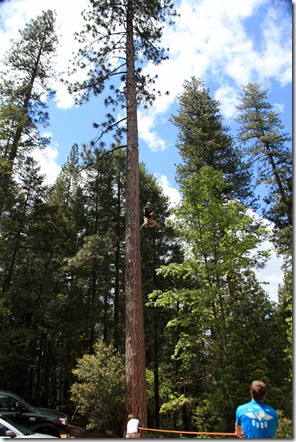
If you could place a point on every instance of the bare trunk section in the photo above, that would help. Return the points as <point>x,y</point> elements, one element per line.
<point>135,341</point>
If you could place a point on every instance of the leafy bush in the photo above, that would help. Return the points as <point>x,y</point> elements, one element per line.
<point>99,393</point>
<point>285,429</point>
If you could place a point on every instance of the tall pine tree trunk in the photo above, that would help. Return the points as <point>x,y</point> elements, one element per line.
<point>135,342</point>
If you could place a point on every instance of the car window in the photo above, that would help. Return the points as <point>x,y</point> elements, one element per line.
<point>3,430</point>
<point>8,404</point>
<point>17,426</point>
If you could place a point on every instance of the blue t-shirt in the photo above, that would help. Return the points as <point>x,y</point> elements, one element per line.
<point>257,419</point>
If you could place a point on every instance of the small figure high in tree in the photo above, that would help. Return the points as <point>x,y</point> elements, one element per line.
<point>148,223</point>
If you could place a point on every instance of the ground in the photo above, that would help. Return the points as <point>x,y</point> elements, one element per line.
<point>81,433</point>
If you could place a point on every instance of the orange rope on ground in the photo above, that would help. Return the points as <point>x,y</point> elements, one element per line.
<point>188,432</point>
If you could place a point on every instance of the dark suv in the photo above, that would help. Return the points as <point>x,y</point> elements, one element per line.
<point>40,420</point>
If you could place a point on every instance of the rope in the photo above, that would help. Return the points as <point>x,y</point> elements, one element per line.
<point>188,432</point>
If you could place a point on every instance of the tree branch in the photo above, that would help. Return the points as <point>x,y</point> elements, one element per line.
<point>103,154</point>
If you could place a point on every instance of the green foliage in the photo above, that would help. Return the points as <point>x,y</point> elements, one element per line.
<point>23,88</point>
<point>218,303</point>
<point>110,28</point>
<point>203,140</point>
<point>28,61</point>
<point>99,390</point>
<point>175,403</point>
<point>285,427</point>
<point>270,150</point>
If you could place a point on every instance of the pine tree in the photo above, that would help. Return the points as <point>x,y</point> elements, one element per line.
<point>269,149</point>
<point>157,247</point>
<point>203,140</point>
<point>24,84</point>
<point>118,38</point>
<point>25,261</point>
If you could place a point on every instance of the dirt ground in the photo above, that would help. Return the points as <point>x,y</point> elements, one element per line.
<point>81,433</point>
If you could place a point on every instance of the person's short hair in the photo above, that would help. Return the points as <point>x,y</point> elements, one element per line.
<point>259,390</point>
<point>130,416</point>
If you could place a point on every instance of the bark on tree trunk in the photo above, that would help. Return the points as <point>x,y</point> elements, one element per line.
<point>135,342</point>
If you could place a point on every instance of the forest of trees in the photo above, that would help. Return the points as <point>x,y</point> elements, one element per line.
<point>76,276</point>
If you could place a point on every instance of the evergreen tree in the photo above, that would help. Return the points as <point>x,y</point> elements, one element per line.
<point>25,84</point>
<point>32,233</point>
<point>119,37</point>
<point>285,313</point>
<point>158,246</point>
<point>269,149</point>
<point>204,141</point>
<point>94,259</point>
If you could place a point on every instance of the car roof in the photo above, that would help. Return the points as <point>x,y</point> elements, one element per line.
<point>10,393</point>
<point>17,429</point>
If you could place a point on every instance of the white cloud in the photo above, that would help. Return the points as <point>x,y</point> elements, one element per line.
<point>13,18</point>
<point>228,99</point>
<point>214,43</point>
<point>47,160</point>
<point>272,272</point>
<point>171,192</point>
<point>279,107</point>
<point>277,61</point>
<point>67,26</point>
<point>147,132</point>
<point>17,13</point>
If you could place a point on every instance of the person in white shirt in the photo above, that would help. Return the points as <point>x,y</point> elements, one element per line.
<point>133,427</point>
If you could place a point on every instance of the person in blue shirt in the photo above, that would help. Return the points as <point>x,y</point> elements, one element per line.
<point>255,419</point>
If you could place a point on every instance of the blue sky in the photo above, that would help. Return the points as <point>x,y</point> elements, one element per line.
<point>227,43</point>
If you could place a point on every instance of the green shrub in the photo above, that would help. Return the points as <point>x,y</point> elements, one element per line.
<point>285,429</point>
<point>99,393</point>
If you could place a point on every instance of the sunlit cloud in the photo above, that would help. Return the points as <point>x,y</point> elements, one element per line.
<point>47,160</point>
<point>17,13</point>
<point>279,107</point>
<point>212,43</point>
<point>272,274</point>
<point>171,192</point>
<point>227,97</point>
<point>148,133</point>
